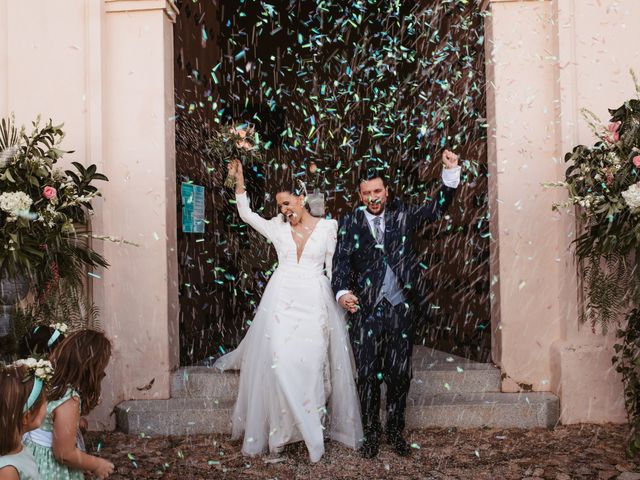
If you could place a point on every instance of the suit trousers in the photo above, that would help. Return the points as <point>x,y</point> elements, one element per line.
<point>383,354</point>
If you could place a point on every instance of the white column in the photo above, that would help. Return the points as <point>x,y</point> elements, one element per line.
<point>522,155</point>
<point>138,292</point>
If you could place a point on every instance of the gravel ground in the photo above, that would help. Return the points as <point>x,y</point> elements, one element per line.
<point>567,452</point>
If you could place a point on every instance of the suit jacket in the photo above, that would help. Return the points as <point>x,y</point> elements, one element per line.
<point>359,264</point>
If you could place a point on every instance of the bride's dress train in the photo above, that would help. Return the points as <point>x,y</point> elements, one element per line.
<point>295,362</point>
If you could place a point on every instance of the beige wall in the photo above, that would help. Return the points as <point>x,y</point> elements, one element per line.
<point>547,60</point>
<point>105,68</point>
<point>43,68</point>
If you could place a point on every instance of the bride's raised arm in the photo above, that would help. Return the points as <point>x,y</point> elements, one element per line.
<point>263,226</point>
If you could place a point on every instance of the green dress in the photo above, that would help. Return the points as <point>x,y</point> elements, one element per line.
<point>48,467</point>
<point>23,462</point>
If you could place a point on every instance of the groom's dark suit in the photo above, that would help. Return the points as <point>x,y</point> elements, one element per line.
<point>381,333</point>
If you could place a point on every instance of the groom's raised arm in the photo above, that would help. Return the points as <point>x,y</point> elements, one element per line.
<point>342,274</point>
<point>433,210</point>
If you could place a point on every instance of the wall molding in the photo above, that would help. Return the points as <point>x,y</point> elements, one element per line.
<point>168,6</point>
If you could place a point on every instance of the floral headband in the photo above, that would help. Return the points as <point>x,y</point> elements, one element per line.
<point>41,371</point>
<point>58,329</point>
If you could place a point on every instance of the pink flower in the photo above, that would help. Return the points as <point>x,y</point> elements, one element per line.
<point>610,179</point>
<point>613,129</point>
<point>636,161</point>
<point>49,193</point>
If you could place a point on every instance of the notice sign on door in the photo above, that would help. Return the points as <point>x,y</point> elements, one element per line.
<point>192,208</point>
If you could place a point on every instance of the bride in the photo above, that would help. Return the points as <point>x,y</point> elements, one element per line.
<point>295,362</point>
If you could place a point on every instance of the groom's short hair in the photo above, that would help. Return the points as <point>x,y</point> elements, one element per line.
<point>372,174</point>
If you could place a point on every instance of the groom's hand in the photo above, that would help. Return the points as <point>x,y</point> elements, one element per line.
<point>449,159</point>
<point>349,302</point>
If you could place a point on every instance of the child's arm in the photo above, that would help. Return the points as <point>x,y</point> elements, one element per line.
<point>65,425</point>
<point>9,473</point>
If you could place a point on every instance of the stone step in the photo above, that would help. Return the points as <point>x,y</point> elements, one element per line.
<point>490,409</point>
<point>203,382</point>
<point>433,373</point>
<point>175,416</point>
<point>185,416</point>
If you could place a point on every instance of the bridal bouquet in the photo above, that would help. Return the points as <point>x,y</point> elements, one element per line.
<point>237,141</point>
<point>603,182</point>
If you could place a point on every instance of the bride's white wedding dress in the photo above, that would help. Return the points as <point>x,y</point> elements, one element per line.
<point>296,371</point>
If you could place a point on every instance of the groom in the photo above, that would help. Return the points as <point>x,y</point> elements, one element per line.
<point>374,268</point>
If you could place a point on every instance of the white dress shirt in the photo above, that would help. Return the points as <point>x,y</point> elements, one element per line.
<point>450,177</point>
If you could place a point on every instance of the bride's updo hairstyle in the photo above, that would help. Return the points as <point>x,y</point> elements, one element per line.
<point>281,180</point>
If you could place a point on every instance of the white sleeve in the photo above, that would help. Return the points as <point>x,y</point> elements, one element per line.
<point>332,240</point>
<point>340,294</point>
<point>263,226</point>
<point>451,176</point>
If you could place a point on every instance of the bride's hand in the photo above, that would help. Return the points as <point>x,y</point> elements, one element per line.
<point>235,168</point>
<point>349,302</point>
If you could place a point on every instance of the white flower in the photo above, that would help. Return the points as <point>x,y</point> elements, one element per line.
<point>41,369</point>
<point>58,174</point>
<point>613,158</point>
<point>27,362</point>
<point>61,327</point>
<point>15,203</point>
<point>7,154</point>
<point>632,195</point>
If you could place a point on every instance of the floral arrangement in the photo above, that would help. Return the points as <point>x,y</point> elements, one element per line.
<point>41,369</point>
<point>235,141</point>
<point>41,204</point>
<point>603,183</point>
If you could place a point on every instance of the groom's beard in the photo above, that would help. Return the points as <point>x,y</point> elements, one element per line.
<point>380,211</point>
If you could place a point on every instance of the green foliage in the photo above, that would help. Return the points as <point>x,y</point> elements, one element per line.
<point>41,205</point>
<point>610,286</point>
<point>627,361</point>
<point>65,303</point>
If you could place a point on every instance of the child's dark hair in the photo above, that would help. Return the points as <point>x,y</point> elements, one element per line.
<point>79,362</point>
<point>15,389</point>
<point>39,341</point>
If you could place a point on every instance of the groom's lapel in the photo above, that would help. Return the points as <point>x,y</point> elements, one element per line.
<point>389,226</point>
<point>366,234</point>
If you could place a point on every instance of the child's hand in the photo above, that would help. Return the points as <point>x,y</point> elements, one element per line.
<point>103,469</point>
<point>83,425</point>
